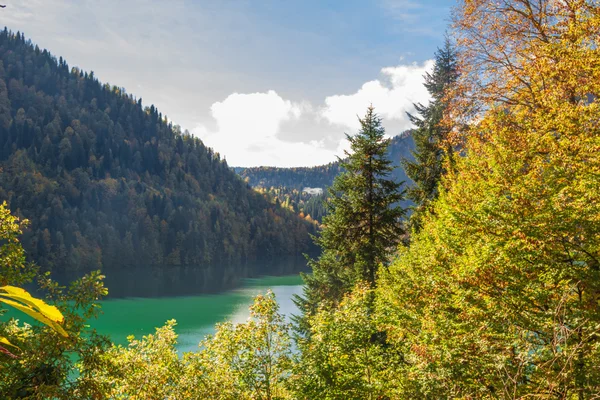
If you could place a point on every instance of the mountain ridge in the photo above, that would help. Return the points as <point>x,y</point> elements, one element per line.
<point>107,182</point>
<point>321,176</point>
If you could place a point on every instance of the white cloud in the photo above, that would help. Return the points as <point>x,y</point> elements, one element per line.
<point>252,117</point>
<point>246,131</point>
<point>263,128</point>
<point>392,97</point>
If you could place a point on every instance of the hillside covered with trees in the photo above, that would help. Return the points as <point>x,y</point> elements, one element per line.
<point>495,296</point>
<point>106,181</point>
<point>285,185</point>
<point>322,176</point>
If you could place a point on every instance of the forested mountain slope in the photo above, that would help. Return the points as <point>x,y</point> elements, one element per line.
<point>106,181</point>
<point>286,184</point>
<point>292,178</point>
<point>322,176</point>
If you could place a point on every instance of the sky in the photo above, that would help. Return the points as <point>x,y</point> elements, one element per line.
<point>263,82</point>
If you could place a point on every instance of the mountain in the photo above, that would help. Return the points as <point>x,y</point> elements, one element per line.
<point>108,183</point>
<point>322,176</point>
<point>287,184</point>
<point>292,178</point>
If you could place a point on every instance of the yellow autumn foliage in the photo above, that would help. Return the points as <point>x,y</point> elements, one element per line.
<point>498,295</point>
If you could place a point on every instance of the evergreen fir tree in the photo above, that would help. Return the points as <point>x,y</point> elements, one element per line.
<point>429,135</point>
<point>364,223</point>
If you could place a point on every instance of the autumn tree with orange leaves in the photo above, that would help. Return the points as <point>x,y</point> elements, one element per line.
<point>499,295</point>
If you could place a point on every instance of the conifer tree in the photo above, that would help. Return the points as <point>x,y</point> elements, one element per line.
<point>429,135</point>
<point>363,225</point>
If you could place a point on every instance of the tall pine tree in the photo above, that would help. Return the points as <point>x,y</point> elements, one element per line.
<point>429,135</point>
<point>364,223</point>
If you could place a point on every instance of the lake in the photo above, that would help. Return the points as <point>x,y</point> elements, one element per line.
<point>141,300</point>
<point>196,315</point>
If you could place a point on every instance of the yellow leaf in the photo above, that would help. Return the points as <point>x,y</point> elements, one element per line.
<point>4,350</point>
<point>4,340</point>
<point>36,308</point>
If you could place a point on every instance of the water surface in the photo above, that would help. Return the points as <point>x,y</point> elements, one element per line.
<point>196,315</point>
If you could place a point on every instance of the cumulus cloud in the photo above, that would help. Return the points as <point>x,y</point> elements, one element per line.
<point>252,117</point>
<point>392,97</point>
<point>265,129</point>
<point>246,131</point>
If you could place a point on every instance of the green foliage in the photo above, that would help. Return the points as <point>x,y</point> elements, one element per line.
<point>251,360</point>
<point>311,207</point>
<point>45,355</point>
<point>347,355</point>
<point>497,296</point>
<point>47,361</point>
<point>286,184</point>
<point>363,225</point>
<point>296,179</point>
<point>14,268</point>
<point>292,178</point>
<point>149,368</point>
<point>109,183</point>
<point>430,135</point>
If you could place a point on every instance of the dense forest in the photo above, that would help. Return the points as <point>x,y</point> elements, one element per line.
<point>106,181</point>
<point>285,185</point>
<point>293,178</point>
<point>495,294</point>
<point>322,176</point>
<point>310,206</point>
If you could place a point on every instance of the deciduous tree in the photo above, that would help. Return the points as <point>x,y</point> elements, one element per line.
<point>497,296</point>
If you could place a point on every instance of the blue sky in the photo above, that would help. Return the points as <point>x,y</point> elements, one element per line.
<point>274,82</point>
